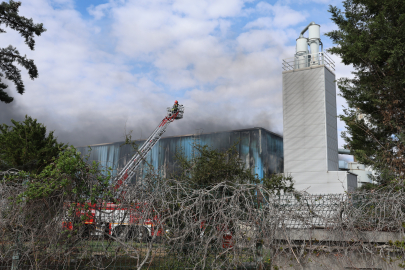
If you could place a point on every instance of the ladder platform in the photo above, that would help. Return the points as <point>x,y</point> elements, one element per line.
<point>179,115</point>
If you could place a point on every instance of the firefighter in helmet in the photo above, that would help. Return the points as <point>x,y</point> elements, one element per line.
<point>175,107</point>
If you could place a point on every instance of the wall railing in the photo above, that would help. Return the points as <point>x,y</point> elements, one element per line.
<point>308,60</point>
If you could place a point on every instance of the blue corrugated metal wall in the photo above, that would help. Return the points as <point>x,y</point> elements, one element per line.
<point>261,150</point>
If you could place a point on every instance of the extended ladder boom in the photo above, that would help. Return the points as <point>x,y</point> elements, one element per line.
<point>125,175</point>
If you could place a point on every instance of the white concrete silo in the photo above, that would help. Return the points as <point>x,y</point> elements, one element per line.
<point>310,138</point>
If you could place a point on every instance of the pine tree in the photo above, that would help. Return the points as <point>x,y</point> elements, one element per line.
<point>26,146</point>
<point>10,55</point>
<point>371,37</point>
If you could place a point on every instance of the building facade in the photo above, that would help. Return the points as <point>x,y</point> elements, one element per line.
<point>260,149</point>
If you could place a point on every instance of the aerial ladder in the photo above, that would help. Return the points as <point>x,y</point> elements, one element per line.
<point>125,175</point>
<point>119,185</point>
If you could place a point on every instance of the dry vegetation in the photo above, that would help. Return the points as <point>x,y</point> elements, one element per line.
<point>223,226</point>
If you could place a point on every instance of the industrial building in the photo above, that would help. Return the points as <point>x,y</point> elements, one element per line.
<point>261,149</point>
<point>308,150</point>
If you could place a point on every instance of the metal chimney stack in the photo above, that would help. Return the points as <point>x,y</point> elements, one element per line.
<point>301,52</point>
<point>305,58</point>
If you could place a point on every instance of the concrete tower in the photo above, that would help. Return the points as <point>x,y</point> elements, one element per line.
<point>310,138</point>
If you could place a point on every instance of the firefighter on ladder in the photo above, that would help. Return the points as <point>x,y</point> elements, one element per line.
<point>175,107</point>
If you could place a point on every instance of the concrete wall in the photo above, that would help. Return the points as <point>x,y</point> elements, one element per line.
<point>338,260</point>
<point>329,250</point>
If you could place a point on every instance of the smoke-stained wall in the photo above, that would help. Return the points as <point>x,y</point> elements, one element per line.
<point>261,150</point>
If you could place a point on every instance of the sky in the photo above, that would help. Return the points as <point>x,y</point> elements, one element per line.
<point>109,67</point>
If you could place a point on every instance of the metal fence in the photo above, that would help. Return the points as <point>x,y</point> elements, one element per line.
<point>308,60</point>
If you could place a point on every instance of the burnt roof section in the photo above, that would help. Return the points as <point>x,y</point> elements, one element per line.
<point>188,135</point>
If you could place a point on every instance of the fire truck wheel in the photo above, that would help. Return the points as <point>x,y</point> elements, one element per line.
<point>140,234</point>
<point>121,233</point>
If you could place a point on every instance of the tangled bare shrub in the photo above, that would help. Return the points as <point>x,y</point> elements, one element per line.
<point>167,224</point>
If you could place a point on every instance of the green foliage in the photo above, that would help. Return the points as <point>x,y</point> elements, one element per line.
<point>129,141</point>
<point>69,178</point>
<point>279,183</point>
<point>210,166</point>
<point>398,244</point>
<point>67,187</point>
<point>56,178</point>
<point>26,146</point>
<point>27,29</point>
<point>371,37</point>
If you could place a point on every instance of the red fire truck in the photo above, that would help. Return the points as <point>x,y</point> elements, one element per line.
<point>127,221</point>
<point>134,222</point>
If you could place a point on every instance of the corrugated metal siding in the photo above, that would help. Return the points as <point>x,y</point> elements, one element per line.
<point>261,150</point>
<point>304,121</point>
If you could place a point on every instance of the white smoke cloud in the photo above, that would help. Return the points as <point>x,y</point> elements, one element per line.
<point>122,65</point>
